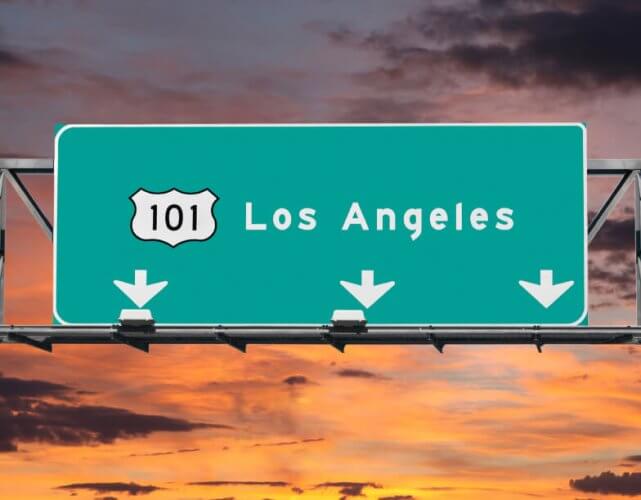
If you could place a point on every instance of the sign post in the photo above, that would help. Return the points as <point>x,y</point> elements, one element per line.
<point>283,224</point>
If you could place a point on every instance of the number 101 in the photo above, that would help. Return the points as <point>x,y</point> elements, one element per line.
<point>173,217</point>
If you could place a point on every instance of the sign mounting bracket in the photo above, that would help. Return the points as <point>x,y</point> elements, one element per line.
<point>43,345</point>
<point>336,344</point>
<point>223,338</point>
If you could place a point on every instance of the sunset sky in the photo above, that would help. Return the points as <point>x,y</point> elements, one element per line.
<point>393,423</point>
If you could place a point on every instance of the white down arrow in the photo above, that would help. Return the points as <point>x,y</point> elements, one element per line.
<point>366,292</point>
<point>140,292</point>
<point>546,292</point>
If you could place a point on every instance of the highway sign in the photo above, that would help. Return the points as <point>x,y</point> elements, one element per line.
<point>283,224</point>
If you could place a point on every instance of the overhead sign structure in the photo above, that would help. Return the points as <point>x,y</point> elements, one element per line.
<point>413,224</point>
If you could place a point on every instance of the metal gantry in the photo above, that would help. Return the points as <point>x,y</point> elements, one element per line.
<point>239,336</point>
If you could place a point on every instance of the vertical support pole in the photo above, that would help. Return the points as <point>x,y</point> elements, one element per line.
<point>637,242</point>
<point>3,222</point>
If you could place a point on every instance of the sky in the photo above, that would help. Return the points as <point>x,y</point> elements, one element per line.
<point>394,423</point>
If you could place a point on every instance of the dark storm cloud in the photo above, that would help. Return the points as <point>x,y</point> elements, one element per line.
<point>355,373</point>
<point>40,421</point>
<point>615,234</point>
<point>348,488</point>
<point>132,489</point>
<point>9,59</point>
<point>574,44</point>
<point>613,280</point>
<point>609,277</point>
<point>44,412</point>
<point>611,271</point>
<point>274,484</point>
<point>11,388</point>
<point>609,483</point>
<point>296,380</point>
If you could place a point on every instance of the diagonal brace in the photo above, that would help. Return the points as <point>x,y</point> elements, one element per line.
<point>609,205</point>
<point>141,345</point>
<point>438,344</point>
<point>30,202</point>
<point>538,342</point>
<point>223,338</point>
<point>43,345</point>
<point>331,340</point>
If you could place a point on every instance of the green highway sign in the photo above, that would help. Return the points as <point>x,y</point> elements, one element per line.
<point>471,224</point>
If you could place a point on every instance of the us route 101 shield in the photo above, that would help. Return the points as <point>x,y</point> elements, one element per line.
<point>412,224</point>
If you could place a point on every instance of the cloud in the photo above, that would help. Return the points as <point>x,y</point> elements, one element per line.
<point>615,235</point>
<point>86,393</point>
<point>252,403</point>
<point>39,421</point>
<point>611,266</point>
<point>32,411</point>
<point>163,453</point>
<point>11,388</point>
<point>355,373</point>
<point>603,276</point>
<point>348,488</point>
<point>582,45</point>
<point>121,94</point>
<point>132,489</point>
<point>11,60</point>
<point>296,380</point>
<point>609,483</point>
<point>274,484</point>
<point>486,490</point>
<point>398,497</point>
<point>382,110</point>
<point>289,443</point>
<point>633,458</point>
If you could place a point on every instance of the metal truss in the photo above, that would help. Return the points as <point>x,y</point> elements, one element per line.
<point>239,337</point>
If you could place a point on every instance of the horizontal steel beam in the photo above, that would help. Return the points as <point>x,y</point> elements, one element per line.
<point>613,167</point>
<point>241,336</point>
<point>595,167</point>
<point>28,165</point>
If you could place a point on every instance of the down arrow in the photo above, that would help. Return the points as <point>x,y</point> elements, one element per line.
<point>546,292</point>
<point>367,293</point>
<point>140,292</point>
